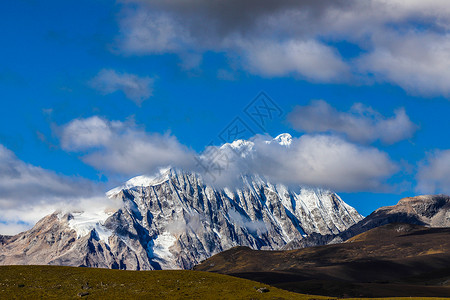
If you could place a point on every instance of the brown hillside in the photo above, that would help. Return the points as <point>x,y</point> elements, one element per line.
<point>392,260</point>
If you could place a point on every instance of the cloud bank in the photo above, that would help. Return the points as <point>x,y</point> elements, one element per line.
<point>278,38</point>
<point>311,160</point>
<point>361,124</point>
<point>315,160</point>
<point>325,161</point>
<point>123,148</point>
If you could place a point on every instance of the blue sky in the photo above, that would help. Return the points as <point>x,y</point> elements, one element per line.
<point>178,72</point>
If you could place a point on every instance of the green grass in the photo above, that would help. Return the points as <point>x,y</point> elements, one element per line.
<point>34,282</point>
<point>19,282</point>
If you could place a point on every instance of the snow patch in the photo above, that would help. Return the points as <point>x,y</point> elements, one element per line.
<point>84,222</point>
<point>217,232</point>
<point>229,193</point>
<point>142,181</point>
<point>284,139</point>
<point>161,250</point>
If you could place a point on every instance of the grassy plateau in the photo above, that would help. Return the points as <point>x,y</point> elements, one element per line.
<point>37,282</point>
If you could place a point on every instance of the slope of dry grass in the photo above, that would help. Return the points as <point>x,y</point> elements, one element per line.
<point>22,282</point>
<point>52,282</point>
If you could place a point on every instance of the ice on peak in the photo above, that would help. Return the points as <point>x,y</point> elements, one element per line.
<point>247,147</point>
<point>284,139</point>
<point>146,180</point>
<point>143,180</point>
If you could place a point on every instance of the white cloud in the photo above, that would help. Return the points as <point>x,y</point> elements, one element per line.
<point>402,42</point>
<point>137,89</point>
<point>13,228</point>
<point>253,226</point>
<point>326,161</point>
<point>27,193</point>
<point>306,59</point>
<point>418,62</point>
<point>122,147</point>
<point>23,181</point>
<point>311,160</point>
<point>434,173</point>
<point>360,124</point>
<point>88,133</point>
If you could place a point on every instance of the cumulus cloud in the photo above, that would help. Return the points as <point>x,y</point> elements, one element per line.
<point>137,89</point>
<point>418,62</point>
<point>27,193</point>
<point>297,38</point>
<point>310,160</point>
<point>309,59</point>
<point>123,148</point>
<point>434,173</point>
<point>360,124</point>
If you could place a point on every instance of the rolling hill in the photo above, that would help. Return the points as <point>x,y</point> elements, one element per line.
<point>392,260</point>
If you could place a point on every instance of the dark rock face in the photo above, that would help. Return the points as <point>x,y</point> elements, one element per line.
<point>175,221</point>
<point>4,239</point>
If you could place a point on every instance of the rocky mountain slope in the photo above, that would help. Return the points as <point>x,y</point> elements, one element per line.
<point>4,239</point>
<point>175,220</point>
<point>426,210</point>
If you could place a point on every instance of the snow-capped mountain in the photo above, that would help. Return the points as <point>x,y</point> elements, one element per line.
<point>174,220</point>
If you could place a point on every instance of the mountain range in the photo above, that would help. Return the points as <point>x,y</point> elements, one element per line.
<point>175,219</point>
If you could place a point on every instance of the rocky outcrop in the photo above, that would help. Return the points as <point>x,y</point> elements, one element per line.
<point>4,239</point>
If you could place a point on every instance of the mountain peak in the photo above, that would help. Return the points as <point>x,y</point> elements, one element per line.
<point>143,180</point>
<point>284,139</point>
